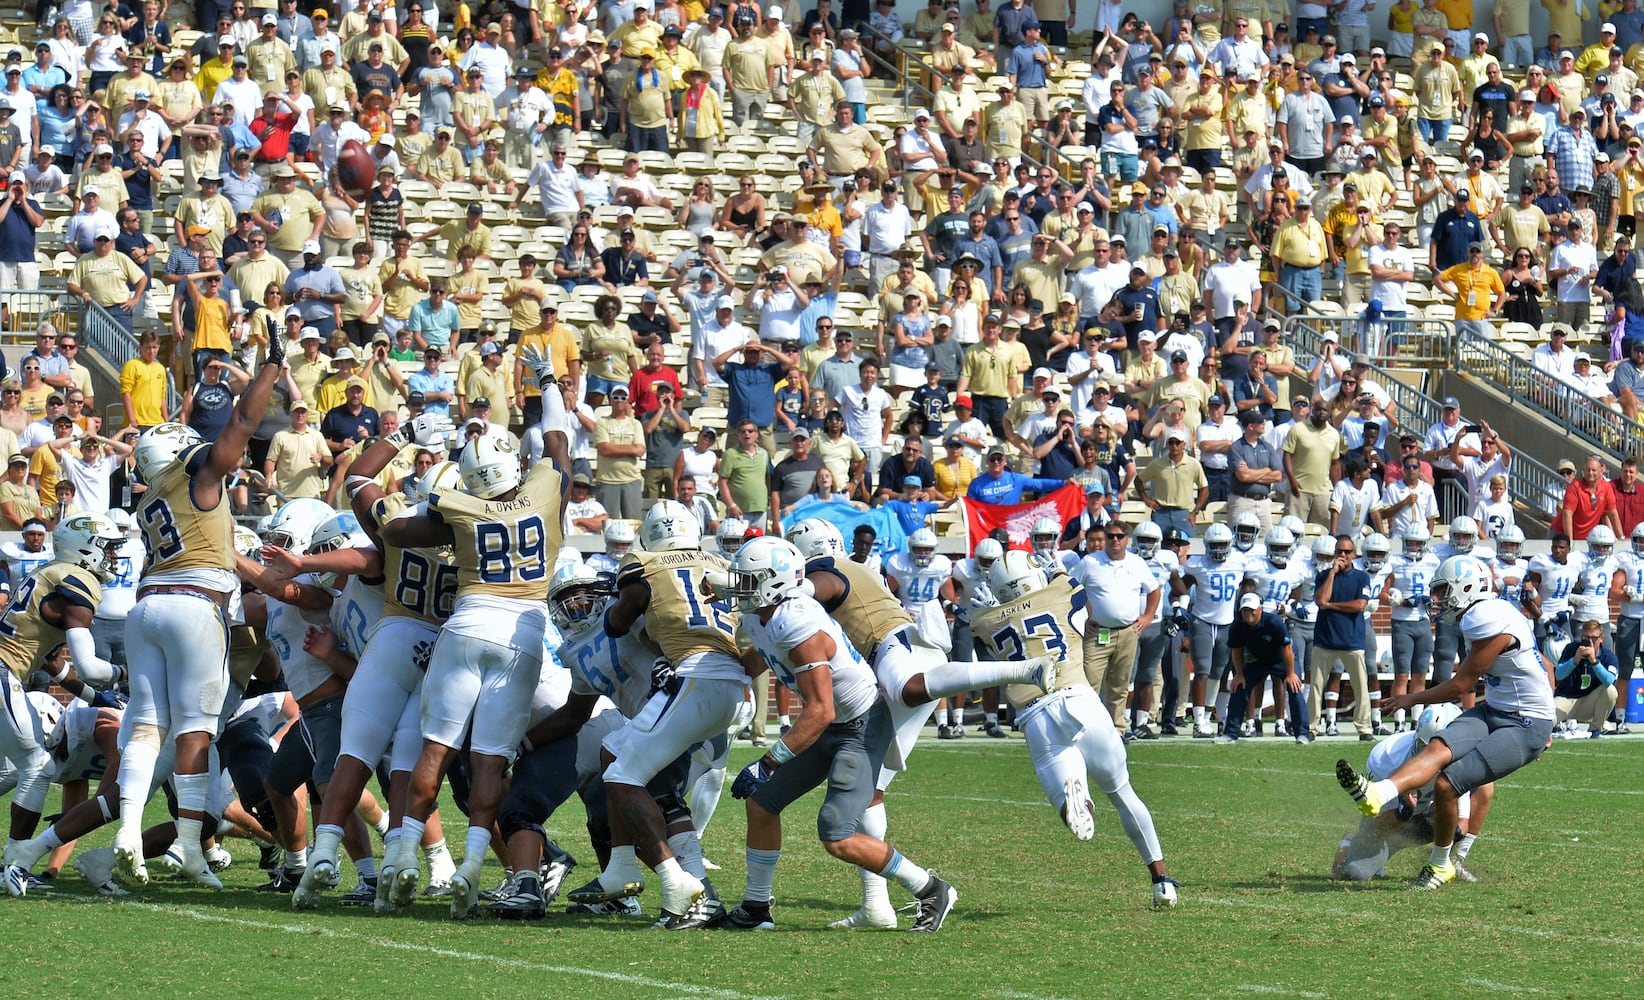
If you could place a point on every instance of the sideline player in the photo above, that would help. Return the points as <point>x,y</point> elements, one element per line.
<point>1489,741</point>
<point>1213,580</point>
<point>1070,732</point>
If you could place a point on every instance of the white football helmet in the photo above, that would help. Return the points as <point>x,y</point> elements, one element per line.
<point>1218,542</point>
<point>766,571</point>
<point>1015,575</point>
<point>1415,539</point>
<point>292,527</point>
<point>669,526</point>
<point>619,538</point>
<point>1295,525</point>
<point>1247,527</point>
<point>160,445</point>
<point>50,713</point>
<point>1600,541</point>
<point>124,521</point>
<point>577,598</point>
<point>1376,549</point>
<point>732,530</point>
<point>247,544</point>
<point>1280,542</point>
<point>1044,536</point>
<point>922,547</point>
<point>1460,583</point>
<point>1434,718</point>
<point>815,538</point>
<point>988,552</point>
<point>442,477</point>
<point>1463,535</point>
<point>1510,541</point>
<point>339,531</point>
<point>490,467</point>
<point>1146,539</point>
<point>90,541</point>
<point>1324,550</point>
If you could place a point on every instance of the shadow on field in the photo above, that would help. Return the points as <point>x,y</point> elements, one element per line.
<point>1313,884</point>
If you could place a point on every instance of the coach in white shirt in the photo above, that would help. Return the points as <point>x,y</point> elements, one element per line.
<point>1121,599</point>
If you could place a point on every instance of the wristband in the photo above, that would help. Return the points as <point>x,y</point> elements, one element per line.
<point>57,678</point>
<point>357,483</point>
<point>780,752</point>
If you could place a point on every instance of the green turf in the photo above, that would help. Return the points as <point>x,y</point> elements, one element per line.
<point>1249,830</point>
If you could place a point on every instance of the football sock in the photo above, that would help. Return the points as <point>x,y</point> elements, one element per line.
<point>956,717</point>
<point>677,885</point>
<point>961,676</point>
<point>875,893</point>
<point>1398,717</point>
<point>367,867</point>
<point>1440,856</point>
<point>907,874</point>
<point>1464,843</point>
<point>327,838</point>
<point>1141,718</point>
<point>51,842</point>
<point>137,759</point>
<point>381,825</point>
<point>410,835</point>
<point>1386,791</point>
<point>391,844</point>
<point>479,841</point>
<point>784,720</point>
<point>294,860</point>
<point>1330,710</point>
<point>688,852</point>
<point>991,719</point>
<point>1200,717</point>
<point>761,873</point>
<point>623,867</point>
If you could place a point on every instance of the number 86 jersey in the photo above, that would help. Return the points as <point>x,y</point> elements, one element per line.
<point>1032,625</point>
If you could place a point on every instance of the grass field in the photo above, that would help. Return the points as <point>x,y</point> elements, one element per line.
<point>1249,830</point>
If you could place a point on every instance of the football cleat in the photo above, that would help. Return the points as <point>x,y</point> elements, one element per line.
<point>17,880</point>
<point>1164,893</point>
<point>218,859</point>
<point>1041,670</point>
<point>464,894</point>
<point>1359,787</point>
<point>129,868</point>
<point>1331,730</point>
<point>319,878</point>
<point>197,871</point>
<point>404,890</point>
<point>552,878</point>
<point>1222,739</point>
<point>170,863</point>
<point>519,899</point>
<point>595,892</point>
<point>995,731</point>
<point>615,908</point>
<point>1432,876</point>
<point>877,918</point>
<point>437,889</point>
<point>708,911</point>
<point>364,893</point>
<point>1462,872</point>
<point>270,857</point>
<point>285,880</point>
<point>382,905</point>
<point>934,907</point>
<point>944,732</point>
<point>97,867</point>
<point>1077,810</point>
<point>1203,732</point>
<point>746,916</point>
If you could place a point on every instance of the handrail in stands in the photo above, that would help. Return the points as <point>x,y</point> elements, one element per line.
<point>105,335</point>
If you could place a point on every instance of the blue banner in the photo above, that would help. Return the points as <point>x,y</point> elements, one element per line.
<point>846,517</point>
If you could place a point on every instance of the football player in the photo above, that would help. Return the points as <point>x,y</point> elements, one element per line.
<point>1486,742</point>
<point>1045,544</point>
<point>506,532</point>
<point>619,539</point>
<point>24,557</point>
<point>1154,660</point>
<point>1247,534</point>
<point>1214,580</point>
<point>177,636</point>
<point>1629,582</point>
<point>841,738</point>
<point>108,627</point>
<point>1509,565</point>
<point>1070,733</point>
<point>970,591</point>
<point>1409,574</point>
<point>1274,580</point>
<point>1590,597</point>
<point>1548,583</point>
<point>923,581</point>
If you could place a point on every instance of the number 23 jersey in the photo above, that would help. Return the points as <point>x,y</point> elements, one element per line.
<point>1034,624</point>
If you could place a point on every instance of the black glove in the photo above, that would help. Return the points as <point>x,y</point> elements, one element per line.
<point>750,779</point>
<point>1175,623</point>
<point>419,655</point>
<point>662,674</point>
<point>276,350</point>
<point>109,699</point>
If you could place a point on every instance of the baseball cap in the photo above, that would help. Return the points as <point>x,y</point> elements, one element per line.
<point>489,348</point>
<point>1250,601</point>
<point>1178,357</point>
<point>1044,373</point>
<point>310,333</point>
<point>798,432</point>
<point>311,246</point>
<point>1452,403</point>
<point>619,390</point>
<point>724,302</point>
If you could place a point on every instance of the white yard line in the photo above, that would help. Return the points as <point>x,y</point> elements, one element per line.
<point>1280,991</point>
<point>1491,984</point>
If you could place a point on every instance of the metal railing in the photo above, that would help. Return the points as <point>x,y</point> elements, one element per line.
<point>1559,401</point>
<point>104,334</point>
<point>1393,343</point>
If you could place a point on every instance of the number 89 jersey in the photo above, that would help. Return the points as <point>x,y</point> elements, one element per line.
<point>506,548</point>
<point>685,625</point>
<point>1034,624</point>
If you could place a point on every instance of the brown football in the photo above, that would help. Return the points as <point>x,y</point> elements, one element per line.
<point>356,170</point>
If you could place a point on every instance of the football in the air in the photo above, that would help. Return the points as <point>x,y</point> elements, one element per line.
<point>356,170</point>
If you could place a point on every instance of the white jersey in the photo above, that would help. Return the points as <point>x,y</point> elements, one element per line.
<point>1252,556</point>
<point>1516,681</point>
<point>268,709</point>
<point>1557,580</point>
<point>1215,587</point>
<point>1163,566</point>
<point>553,687</point>
<point>1378,583</point>
<point>1632,564</point>
<point>355,613</point>
<point>1509,575</point>
<point>796,619</point>
<point>602,562</point>
<point>1590,598</point>
<point>287,627</point>
<point>20,562</point>
<point>1413,579</point>
<point>604,666</point>
<point>120,594</point>
<point>74,749</point>
<point>970,586</point>
<point>1274,584</point>
<point>917,585</point>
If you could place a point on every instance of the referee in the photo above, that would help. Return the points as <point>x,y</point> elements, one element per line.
<point>1262,652</point>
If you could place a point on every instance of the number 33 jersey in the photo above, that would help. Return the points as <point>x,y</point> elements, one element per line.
<point>186,544</point>
<point>1034,624</point>
<point>696,635</point>
<point>506,548</point>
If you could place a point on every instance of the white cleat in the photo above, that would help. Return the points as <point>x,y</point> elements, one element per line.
<point>383,905</point>
<point>464,894</point>
<point>1042,671</point>
<point>16,878</point>
<point>320,878</point>
<point>694,890</point>
<point>96,866</point>
<point>170,863</point>
<point>218,859</point>
<point>197,871</point>
<point>404,891</point>
<point>1077,810</point>
<point>129,868</point>
<point>876,918</point>
<point>1164,894</point>
<point>440,867</point>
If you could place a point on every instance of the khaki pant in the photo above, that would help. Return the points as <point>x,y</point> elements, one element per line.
<point>659,483</point>
<point>1262,508</point>
<point>1109,667</point>
<point>1592,708</point>
<point>1356,291</point>
<point>1313,508</point>
<point>1318,673</point>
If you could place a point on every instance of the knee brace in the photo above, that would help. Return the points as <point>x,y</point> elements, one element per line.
<point>518,822</point>
<point>148,734</point>
<point>673,809</point>
<point>599,837</point>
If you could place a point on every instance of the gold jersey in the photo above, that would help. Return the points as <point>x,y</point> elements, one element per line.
<point>417,583</point>
<point>507,548</point>
<point>25,635</point>
<point>245,652</point>
<point>179,534</point>
<point>678,619</point>
<point>868,612</point>
<point>1035,624</point>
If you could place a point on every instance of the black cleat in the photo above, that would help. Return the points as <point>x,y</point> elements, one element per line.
<point>748,916</point>
<point>934,906</point>
<point>283,880</point>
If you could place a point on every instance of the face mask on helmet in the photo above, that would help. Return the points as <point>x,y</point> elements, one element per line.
<point>1638,539</point>
<point>1145,540</point>
<point>1245,532</point>
<point>578,599</point>
<point>1280,543</point>
<point>1600,542</point>
<point>922,547</point>
<point>1044,536</point>
<point>619,539</point>
<point>1415,545</point>
<point>1218,543</point>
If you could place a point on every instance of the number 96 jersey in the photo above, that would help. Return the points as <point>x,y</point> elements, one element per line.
<point>506,548</point>
<point>1034,624</point>
<point>698,636</point>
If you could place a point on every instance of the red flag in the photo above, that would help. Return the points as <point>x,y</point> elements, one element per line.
<point>1062,506</point>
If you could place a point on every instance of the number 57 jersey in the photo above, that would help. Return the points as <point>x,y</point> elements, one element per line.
<point>1032,625</point>
<point>696,635</point>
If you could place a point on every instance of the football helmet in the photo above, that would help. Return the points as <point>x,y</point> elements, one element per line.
<point>1600,541</point>
<point>732,531</point>
<point>1376,549</point>
<point>1218,542</point>
<point>1044,536</point>
<point>988,552</point>
<point>90,541</point>
<point>1324,550</point>
<point>160,445</point>
<point>442,477</point>
<point>292,526</point>
<point>766,571</point>
<point>1415,538</point>
<point>1280,542</point>
<point>669,526</point>
<point>1145,539</point>
<point>247,544</point>
<point>1247,527</point>
<point>124,521</point>
<point>339,531</point>
<point>1295,525</point>
<point>1463,535</point>
<point>1434,718</point>
<point>1510,541</point>
<point>1637,536</point>
<point>1015,575</point>
<point>577,598</point>
<point>50,712</point>
<point>1460,583</point>
<point>489,467</point>
<point>619,538</point>
<point>1175,538</point>
<point>815,538</point>
<point>922,547</point>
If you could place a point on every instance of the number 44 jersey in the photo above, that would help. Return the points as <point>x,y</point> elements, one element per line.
<point>696,635</point>
<point>1035,624</point>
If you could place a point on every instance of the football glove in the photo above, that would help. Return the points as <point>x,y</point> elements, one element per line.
<point>1394,597</point>
<point>662,674</point>
<point>109,699</point>
<point>750,779</point>
<point>1175,623</point>
<point>420,654</point>
<point>1634,594</point>
<point>432,430</point>
<point>540,366</point>
<point>276,350</point>
<point>716,585</point>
